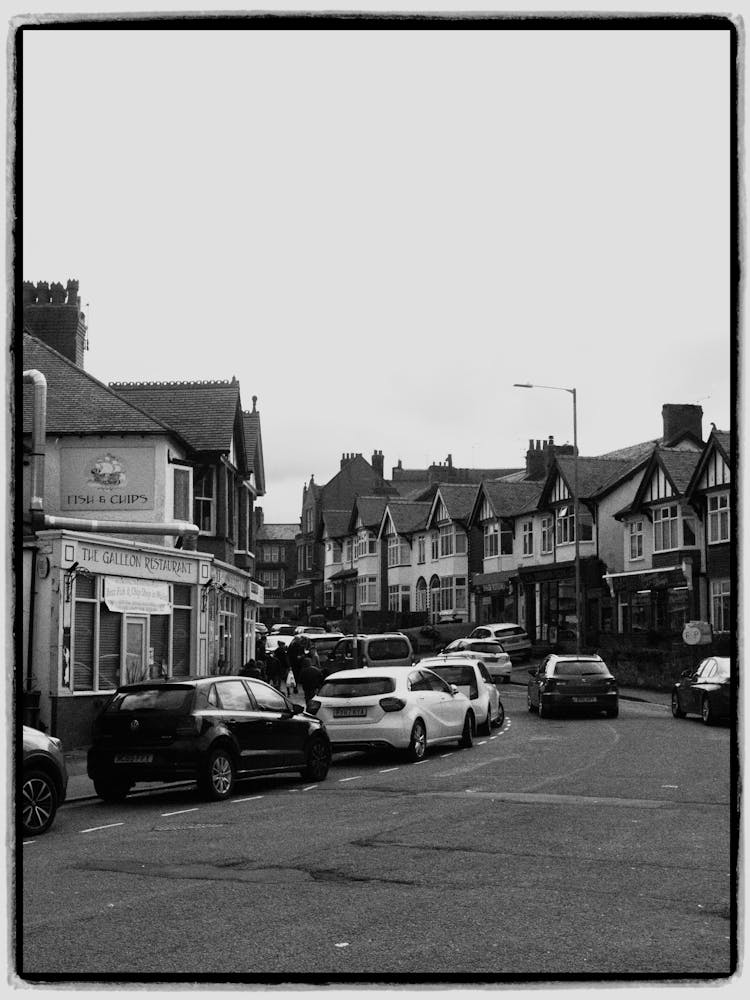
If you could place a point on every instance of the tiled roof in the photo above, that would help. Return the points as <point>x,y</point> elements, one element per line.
<point>357,478</point>
<point>633,452</point>
<point>458,499</point>
<point>336,522</point>
<point>203,412</point>
<point>679,465</point>
<point>724,438</point>
<point>370,510</point>
<point>77,403</point>
<point>511,498</point>
<point>254,447</point>
<point>408,516</point>
<point>277,532</point>
<point>594,474</point>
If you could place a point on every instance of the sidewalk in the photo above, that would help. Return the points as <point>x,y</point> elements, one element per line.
<point>80,785</point>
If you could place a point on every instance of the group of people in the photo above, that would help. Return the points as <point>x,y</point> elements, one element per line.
<point>287,668</point>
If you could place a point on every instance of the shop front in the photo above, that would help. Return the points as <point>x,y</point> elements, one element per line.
<point>550,601</point>
<point>108,611</point>
<point>654,602</point>
<point>493,596</point>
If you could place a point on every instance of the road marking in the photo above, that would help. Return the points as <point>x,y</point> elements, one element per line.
<point>450,754</point>
<point>387,770</point>
<point>27,842</point>
<point>481,743</point>
<point>93,829</point>
<point>354,778</point>
<point>249,799</point>
<point>309,787</point>
<point>179,812</point>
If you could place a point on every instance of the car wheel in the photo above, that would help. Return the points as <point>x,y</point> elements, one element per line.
<point>487,726</point>
<point>500,715</point>
<point>217,779</point>
<point>467,734</point>
<point>112,789</point>
<point>707,712</point>
<point>318,760</point>
<point>39,803</point>
<point>417,741</point>
<point>676,710</point>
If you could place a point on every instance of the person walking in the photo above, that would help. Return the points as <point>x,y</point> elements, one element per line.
<point>295,652</point>
<point>311,677</point>
<point>279,666</point>
<point>260,654</point>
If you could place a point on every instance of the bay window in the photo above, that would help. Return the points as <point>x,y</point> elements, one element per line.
<point>204,501</point>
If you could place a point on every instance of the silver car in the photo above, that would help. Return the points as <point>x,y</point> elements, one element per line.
<point>487,651</point>
<point>44,783</point>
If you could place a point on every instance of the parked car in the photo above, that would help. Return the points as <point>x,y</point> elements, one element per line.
<point>472,678</point>
<point>282,628</point>
<point>210,729</point>
<point>572,682</point>
<point>388,649</point>
<point>705,691</point>
<point>276,639</point>
<point>514,639</point>
<point>44,781</point>
<point>324,643</point>
<point>490,652</point>
<point>409,710</point>
<point>261,629</point>
<point>309,630</point>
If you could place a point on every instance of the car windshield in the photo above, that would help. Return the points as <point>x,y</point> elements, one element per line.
<point>486,647</point>
<point>513,630</point>
<point>455,673</point>
<point>388,649</point>
<point>578,668</point>
<point>155,699</point>
<point>356,687</point>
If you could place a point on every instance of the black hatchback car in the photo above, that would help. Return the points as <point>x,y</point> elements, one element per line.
<point>573,683</point>
<point>211,729</point>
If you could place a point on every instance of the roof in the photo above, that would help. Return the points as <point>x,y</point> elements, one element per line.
<point>408,516</point>
<point>277,532</point>
<point>77,403</point>
<point>369,509</point>
<point>356,478</point>
<point>594,474</point>
<point>254,447</point>
<point>507,499</point>
<point>458,499</point>
<point>679,465</point>
<point>633,452</point>
<point>205,413</point>
<point>336,523</point>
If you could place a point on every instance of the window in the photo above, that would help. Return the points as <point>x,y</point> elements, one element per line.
<point>546,534</point>
<point>328,595</point>
<point>446,593</point>
<point>460,593</point>
<point>434,545</point>
<point>267,699</point>
<point>506,538</point>
<point>182,480</point>
<point>335,552</point>
<point>234,697</point>
<point>460,542</point>
<point>688,529</point>
<point>398,551</point>
<point>718,518</point>
<point>366,545</point>
<point>348,546</point>
<point>231,528</point>
<point>721,605</point>
<point>528,538</point>
<point>665,528</point>
<point>307,520</point>
<point>446,540</point>
<point>272,580</point>
<point>393,595</point>
<point>271,553</point>
<point>565,532</point>
<point>204,501</point>
<point>398,597</point>
<point>491,544</point>
<point>420,549</point>
<point>635,539</point>
<point>421,594</point>
<point>367,590</point>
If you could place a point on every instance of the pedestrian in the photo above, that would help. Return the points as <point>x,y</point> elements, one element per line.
<point>250,669</point>
<point>311,677</point>
<point>279,666</point>
<point>295,652</point>
<point>260,654</point>
<point>291,682</point>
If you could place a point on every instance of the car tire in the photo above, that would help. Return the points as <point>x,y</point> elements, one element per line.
<point>38,803</point>
<point>317,760</point>
<point>217,779</point>
<point>676,710</point>
<point>707,712</point>
<point>112,789</point>
<point>500,715</point>
<point>467,733</point>
<point>487,726</point>
<point>417,742</point>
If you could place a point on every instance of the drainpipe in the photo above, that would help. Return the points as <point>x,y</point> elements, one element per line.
<point>38,438</point>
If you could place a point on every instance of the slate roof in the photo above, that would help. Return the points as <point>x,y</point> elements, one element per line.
<point>633,452</point>
<point>724,438</point>
<point>204,413</point>
<point>369,509</point>
<point>336,522</point>
<point>254,447</point>
<point>509,499</point>
<point>679,465</point>
<point>277,532</point>
<point>594,474</point>
<point>77,403</point>
<point>408,516</point>
<point>357,478</point>
<point>458,499</point>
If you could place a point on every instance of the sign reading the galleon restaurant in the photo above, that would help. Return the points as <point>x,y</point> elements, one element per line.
<point>111,479</point>
<point>172,564</point>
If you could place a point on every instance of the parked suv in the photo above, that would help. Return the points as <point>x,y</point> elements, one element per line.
<point>515,640</point>
<point>389,649</point>
<point>211,729</point>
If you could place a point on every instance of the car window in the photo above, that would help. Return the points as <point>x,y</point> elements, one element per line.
<point>577,668</point>
<point>343,648</point>
<point>460,674</point>
<point>485,647</point>
<point>417,681</point>
<point>267,698</point>
<point>155,699</point>
<point>356,687</point>
<point>484,672</point>
<point>437,683</point>
<point>512,630</point>
<point>388,649</point>
<point>233,696</point>
<point>481,633</point>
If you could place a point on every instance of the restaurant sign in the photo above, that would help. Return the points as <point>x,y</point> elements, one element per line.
<point>111,479</point>
<point>171,564</point>
<point>136,597</point>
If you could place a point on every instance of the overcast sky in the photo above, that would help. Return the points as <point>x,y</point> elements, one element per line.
<point>379,232</point>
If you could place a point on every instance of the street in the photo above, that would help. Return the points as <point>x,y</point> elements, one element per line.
<point>565,847</point>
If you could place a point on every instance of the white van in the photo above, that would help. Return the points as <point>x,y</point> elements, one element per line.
<point>387,649</point>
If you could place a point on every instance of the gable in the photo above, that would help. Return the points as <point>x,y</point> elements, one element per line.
<point>659,487</point>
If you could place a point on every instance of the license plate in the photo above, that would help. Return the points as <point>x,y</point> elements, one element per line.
<point>348,713</point>
<point>133,758</point>
<point>588,700</point>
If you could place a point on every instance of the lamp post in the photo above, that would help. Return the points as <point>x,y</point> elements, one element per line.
<point>561,388</point>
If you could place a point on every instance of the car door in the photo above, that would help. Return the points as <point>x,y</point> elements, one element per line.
<point>236,710</point>
<point>448,709</point>
<point>534,680</point>
<point>284,732</point>
<point>492,691</point>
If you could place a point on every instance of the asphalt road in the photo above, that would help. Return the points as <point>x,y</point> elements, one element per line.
<point>575,848</point>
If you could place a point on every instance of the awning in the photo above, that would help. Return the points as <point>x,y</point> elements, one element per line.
<point>662,578</point>
<point>343,574</point>
<point>492,583</point>
<point>298,588</point>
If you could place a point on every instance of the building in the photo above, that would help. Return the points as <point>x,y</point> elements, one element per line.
<point>275,565</point>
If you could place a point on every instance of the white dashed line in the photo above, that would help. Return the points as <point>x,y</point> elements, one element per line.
<point>307,789</point>
<point>249,799</point>
<point>447,754</point>
<point>93,829</point>
<point>353,778</point>
<point>179,812</point>
<point>387,770</point>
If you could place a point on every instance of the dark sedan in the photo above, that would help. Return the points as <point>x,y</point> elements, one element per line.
<point>210,729</point>
<point>705,691</point>
<point>574,683</point>
<point>44,781</point>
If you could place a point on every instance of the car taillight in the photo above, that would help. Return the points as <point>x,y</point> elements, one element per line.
<point>313,706</point>
<point>392,704</point>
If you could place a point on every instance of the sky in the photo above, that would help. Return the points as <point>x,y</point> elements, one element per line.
<point>379,232</point>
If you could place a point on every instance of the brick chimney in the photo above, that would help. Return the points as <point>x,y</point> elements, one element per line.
<point>536,460</point>
<point>681,418</point>
<point>53,314</point>
<point>377,462</point>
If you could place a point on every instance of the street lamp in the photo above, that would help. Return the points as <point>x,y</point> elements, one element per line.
<point>561,388</point>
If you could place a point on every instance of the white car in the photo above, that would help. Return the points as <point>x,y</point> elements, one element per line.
<point>487,651</point>
<point>473,680</point>
<point>514,639</point>
<point>309,630</point>
<point>275,640</point>
<point>409,709</point>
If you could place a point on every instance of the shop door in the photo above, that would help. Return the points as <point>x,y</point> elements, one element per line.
<point>136,648</point>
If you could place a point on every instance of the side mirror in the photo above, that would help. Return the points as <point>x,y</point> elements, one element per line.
<point>454,689</point>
